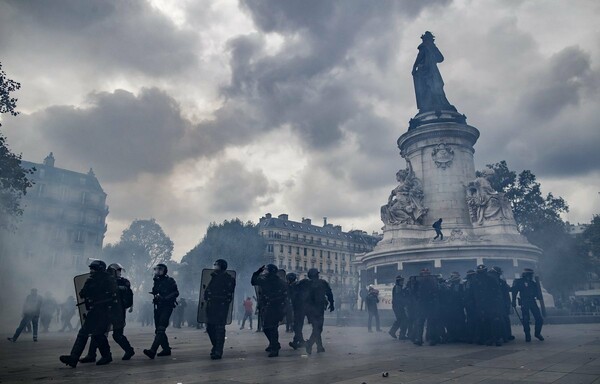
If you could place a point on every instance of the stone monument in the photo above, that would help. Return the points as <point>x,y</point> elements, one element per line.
<point>440,181</point>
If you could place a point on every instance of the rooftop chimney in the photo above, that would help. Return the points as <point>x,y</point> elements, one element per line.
<point>306,220</point>
<point>283,216</point>
<point>324,220</point>
<point>268,216</point>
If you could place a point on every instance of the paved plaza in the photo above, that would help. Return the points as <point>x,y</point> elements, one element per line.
<point>570,354</point>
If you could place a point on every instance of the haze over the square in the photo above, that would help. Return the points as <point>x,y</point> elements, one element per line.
<point>193,112</point>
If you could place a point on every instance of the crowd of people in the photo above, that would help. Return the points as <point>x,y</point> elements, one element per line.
<point>42,310</point>
<point>474,310</point>
<point>427,309</point>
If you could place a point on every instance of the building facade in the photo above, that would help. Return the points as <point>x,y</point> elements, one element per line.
<point>64,218</point>
<point>297,246</point>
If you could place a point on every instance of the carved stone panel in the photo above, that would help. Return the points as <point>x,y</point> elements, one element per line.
<point>443,155</point>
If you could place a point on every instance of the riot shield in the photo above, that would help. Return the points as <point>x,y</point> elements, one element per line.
<point>79,281</point>
<point>281,273</point>
<point>205,280</point>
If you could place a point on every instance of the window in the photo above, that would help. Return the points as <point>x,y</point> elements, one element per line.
<point>41,189</point>
<point>270,248</point>
<point>83,197</point>
<point>304,238</point>
<point>297,250</point>
<point>320,253</point>
<point>305,251</point>
<point>313,252</point>
<point>290,249</point>
<point>281,248</point>
<point>79,237</point>
<point>270,234</point>
<point>328,254</point>
<point>336,255</point>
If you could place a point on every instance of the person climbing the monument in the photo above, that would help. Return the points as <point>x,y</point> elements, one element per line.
<point>437,226</point>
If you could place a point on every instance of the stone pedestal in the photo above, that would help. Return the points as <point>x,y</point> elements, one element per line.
<point>439,147</point>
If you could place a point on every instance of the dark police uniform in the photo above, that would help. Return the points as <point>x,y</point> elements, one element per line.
<point>399,305</point>
<point>527,290</point>
<point>272,306</point>
<point>101,297</point>
<point>165,293</point>
<point>218,296</point>
<point>117,318</point>
<point>317,297</point>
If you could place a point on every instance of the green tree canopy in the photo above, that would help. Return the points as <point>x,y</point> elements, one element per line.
<point>563,264</point>
<point>142,245</point>
<point>237,242</point>
<point>13,178</point>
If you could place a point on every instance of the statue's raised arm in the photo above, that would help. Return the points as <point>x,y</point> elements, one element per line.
<point>429,86</point>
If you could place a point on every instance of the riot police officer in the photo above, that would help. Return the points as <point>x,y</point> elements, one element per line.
<point>528,291</point>
<point>488,306</point>
<point>427,293</point>
<point>496,273</point>
<point>165,294</point>
<point>473,321</point>
<point>118,314</point>
<point>455,311</point>
<point>100,294</point>
<point>218,296</point>
<point>317,298</point>
<point>297,295</point>
<point>399,304</point>
<point>273,294</point>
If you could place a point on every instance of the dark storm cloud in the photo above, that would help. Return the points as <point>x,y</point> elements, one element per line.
<point>119,134</point>
<point>561,84</point>
<point>114,34</point>
<point>307,84</point>
<point>546,123</point>
<point>235,189</point>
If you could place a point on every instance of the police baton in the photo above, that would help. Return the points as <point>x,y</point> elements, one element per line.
<point>519,316</point>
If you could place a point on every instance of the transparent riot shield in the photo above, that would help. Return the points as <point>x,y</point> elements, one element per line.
<point>205,280</point>
<point>281,273</point>
<point>79,281</point>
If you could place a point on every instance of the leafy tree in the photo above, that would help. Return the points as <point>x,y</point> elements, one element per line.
<point>8,104</point>
<point>13,178</point>
<point>538,218</point>
<point>532,210</point>
<point>142,245</point>
<point>237,242</point>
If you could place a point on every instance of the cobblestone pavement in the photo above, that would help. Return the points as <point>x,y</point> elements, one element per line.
<point>570,354</point>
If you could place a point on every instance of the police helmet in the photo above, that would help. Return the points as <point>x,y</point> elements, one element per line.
<point>399,277</point>
<point>97,266</point>
<point>313,273</point>
<point>481,268</point>
<point>496,269</point>
<point>425,272</point>
<point>291,277</point>
<point>163,266</point>
<point>470,272</point>
<point>116,267</point>
<point>455,276</point>
<point>222,264</point>
<point>272,268</point>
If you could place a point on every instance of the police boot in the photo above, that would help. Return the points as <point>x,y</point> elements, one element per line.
<point>104,360</point>
<point>150,353</point>
<point>527,337</point>
<point>88,359</point>
<point>164,352</point>
<point>320,348</point>
<point>539,336</point>
<point>128,354</point>
<point>69,360</point>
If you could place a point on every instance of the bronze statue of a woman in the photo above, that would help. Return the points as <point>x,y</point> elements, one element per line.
<point>429,86</point>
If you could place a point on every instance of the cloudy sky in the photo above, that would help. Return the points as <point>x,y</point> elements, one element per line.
<point>198,111</point>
